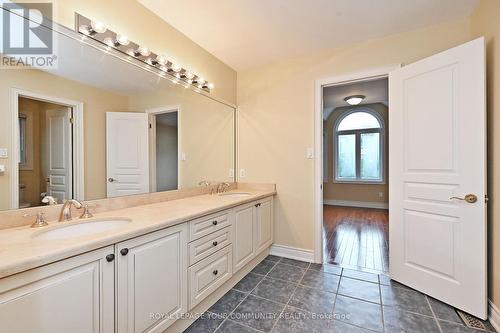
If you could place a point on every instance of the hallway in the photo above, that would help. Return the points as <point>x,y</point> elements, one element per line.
<point>356,238</point>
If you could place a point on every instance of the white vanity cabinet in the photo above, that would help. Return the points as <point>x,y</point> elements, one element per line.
<point>143,284</point>
<point>253,231</point>
<point>74,295</point>
<point>151,290</point>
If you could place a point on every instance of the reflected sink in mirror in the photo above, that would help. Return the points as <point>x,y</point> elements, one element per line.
<point>82,229</point>
<point>235,194</point>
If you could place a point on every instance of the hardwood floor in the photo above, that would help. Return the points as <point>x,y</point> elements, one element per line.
<point>356,238</point>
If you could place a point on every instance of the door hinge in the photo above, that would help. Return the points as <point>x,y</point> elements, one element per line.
<point>486,198</point>
<point>71,120</point>
<point>150,126</point>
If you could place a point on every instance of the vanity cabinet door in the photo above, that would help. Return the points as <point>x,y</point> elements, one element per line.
<point>264,224</point>
<point>73,295</point>
<point>244,235</point>
<point>151,280</point>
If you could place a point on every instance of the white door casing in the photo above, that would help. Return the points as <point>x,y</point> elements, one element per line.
<point>437,151</point>
<point>58,155</point>
<point>127,153</point>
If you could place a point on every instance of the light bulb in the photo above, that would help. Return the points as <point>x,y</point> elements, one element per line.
<point>122,39</point>
<point>178,75</point>
<point>189,81</point>
<point>161,59</point>
<point>200,80</point>
<point>143,51</point>
<point>164,68</point>
<point>98,27</point>
<point>189,75</point>
<point>211,86</point>
<point>176,68</point>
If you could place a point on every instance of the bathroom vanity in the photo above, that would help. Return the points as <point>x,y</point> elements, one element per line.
<point>142,275</point>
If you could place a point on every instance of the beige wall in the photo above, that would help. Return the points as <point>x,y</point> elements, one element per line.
<point>276,116</point>
<point>486,22</point>
<point>144,27</point>
<point>354,192</point>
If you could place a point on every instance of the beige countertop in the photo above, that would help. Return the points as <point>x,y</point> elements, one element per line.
<point>20,250</point>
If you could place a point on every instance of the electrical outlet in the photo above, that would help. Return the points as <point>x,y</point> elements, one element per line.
<point>183,156</point>
<point>380,194</point>
<point>243,173</point>
<point>2,169</point>
<point>4,153</point>
<point>231,173</point>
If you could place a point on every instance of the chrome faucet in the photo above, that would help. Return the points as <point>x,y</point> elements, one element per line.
<point>66,209</point>
<point>222,187</point>
<point>204,183</point>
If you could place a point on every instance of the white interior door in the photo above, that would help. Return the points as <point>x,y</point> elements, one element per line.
<point>58,158</point>
<point>437,152</point>
<point>127,153</point>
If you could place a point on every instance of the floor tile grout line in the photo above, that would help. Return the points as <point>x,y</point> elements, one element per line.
<point>247,294</point>
<point>289,299</point>
<point>433,314</point>
<point>381,305</point>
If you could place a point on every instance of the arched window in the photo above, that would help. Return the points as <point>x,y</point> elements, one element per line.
<point>359,147</point>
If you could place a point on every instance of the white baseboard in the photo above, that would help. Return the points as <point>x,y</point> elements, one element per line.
<point>494,315</point>
<point>292,252</point>
<point>361,204</point>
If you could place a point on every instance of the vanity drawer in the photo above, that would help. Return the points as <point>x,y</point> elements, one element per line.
<point>206,225</point>
<point>205,246</point>
<point>209,274</point>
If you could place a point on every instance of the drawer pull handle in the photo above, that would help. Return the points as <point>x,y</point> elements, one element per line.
<point>216,272</point>
<point>110,257</point>
<point>214,222</point>
<point>124,251</point>
<point>215,243</point>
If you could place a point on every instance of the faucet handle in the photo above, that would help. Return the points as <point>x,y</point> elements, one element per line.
<point>86,212</point>
<point>39,222</point>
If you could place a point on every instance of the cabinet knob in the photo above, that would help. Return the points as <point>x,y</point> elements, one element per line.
<point>124,251</point>
<point>214,222</point>
<point>110,257</point>
<point>216,272</point>
<point>215,243</point>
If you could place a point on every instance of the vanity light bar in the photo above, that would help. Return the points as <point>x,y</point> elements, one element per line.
<point>98,31</point>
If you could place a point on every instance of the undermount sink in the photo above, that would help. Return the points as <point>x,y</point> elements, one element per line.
<point>82,229</point>
<point>235,194</point>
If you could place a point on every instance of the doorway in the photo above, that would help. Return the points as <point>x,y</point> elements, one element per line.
<point>165,155</point>
<point>355,179</point>
<point>47,145</point>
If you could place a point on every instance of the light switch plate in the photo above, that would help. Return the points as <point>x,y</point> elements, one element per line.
<point>183,156</point>
<point>231,173</point>
<point>309,153</point>
<point>243,173</point>
<point>4,153</point>
<point>2,169</point>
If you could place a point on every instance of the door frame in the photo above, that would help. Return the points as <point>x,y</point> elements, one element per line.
<point>78,141</point>
<point>319,84</point>
<point>153,112</point>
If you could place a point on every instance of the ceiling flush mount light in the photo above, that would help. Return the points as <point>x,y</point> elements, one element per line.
<point>354,99</point>
<point>157,63</point>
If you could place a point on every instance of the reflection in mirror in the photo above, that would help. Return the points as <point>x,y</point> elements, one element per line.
<point>98,126</point>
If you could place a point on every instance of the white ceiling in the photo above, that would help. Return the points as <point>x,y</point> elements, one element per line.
<point>376,91</point>
<point>249,33</point>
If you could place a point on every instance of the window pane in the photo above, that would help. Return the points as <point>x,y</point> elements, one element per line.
<point>358,120</point>
<point>346,165</point>
<point>370,156</point>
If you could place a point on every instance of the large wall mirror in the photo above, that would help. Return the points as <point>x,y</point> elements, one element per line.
<point>99,126</point>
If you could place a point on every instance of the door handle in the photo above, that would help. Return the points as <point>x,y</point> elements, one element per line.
<point>470,198</point>
<point>111,179</point>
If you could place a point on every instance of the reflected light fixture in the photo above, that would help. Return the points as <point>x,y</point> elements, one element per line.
<point>354,99</point>
<point>97,31</point>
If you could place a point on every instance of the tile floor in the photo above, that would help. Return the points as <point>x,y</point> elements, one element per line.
<point>284,295</point>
